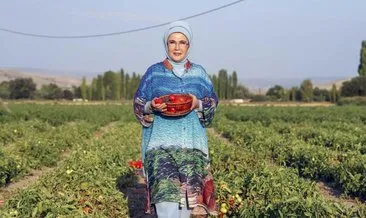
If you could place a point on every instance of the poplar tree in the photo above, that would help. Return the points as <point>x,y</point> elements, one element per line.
<point>123,84</point>
<point>334,93</point>
<point>116,86</point>
<point>229,87</point>
<point>306,89</point>
<point>84,94</point>
<point>108,78</point>
<point>100,88</point>
<point>222,84</point>
<point>362,66</point>
<point>94,89</point>
<point>234,83</point>
<point>128,86</point>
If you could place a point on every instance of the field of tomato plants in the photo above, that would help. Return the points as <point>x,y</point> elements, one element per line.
<point>306,145</point>
<point>266,161</point>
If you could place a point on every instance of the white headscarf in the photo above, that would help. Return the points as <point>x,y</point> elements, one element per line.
<point>178,27</point>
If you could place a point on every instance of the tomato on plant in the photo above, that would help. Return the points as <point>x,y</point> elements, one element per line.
<point>231,201</point>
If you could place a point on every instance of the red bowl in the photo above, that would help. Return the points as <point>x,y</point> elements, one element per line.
<point>176,104</point>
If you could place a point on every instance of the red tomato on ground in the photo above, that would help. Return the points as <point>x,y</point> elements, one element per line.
<point>135,164</point>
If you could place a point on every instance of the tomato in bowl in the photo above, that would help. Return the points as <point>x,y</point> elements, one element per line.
<point>177,104</point>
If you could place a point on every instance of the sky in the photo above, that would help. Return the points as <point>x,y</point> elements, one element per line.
<point>256,38</point>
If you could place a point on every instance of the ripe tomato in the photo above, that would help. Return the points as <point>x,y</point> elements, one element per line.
<point>231,201</point>
<point>172,98</point>
<point>135,164</point>
<point>181,99</point>
<point>171,109</point>
<point>158,101</point>
<point>138,164</point>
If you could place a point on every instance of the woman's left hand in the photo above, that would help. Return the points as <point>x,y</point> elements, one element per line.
<point>195,102</point>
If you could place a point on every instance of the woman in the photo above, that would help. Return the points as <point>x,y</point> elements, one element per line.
<point>175,149</point>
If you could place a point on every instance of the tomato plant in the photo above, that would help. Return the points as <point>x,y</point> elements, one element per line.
<point>258,169</point>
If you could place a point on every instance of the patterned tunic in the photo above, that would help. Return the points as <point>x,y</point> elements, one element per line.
<point>175,149</point>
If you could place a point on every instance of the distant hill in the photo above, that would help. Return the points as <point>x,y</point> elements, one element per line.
<point>261,85</point>
<point>39,77</point>
<point>329,84</point>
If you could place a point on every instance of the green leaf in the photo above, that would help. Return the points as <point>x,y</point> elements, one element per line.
<point>34,212</point>
<point>293,199</point>
<point>308,214</point>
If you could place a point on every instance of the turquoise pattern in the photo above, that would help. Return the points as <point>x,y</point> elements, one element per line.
<point>186,131</point>
<point>174,149</point>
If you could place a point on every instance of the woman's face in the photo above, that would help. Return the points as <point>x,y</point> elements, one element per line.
<point>177,46</point>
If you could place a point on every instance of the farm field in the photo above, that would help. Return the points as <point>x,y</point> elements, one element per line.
<point>72,161</point>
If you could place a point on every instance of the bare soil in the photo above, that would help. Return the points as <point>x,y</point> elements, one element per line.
<point>99,133</point>
<point>335,195</point>
<point>133,187</point>
<point>33,176</point>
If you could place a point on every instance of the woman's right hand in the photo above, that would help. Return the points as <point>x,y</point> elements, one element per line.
<point>158,107</point>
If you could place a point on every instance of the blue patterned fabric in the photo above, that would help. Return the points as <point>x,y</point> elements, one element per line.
<point>186,131</point>
<point>174,149</point>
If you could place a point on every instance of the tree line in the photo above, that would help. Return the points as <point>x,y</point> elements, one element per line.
<point>354,87</point>
<point>107,86</point>
<point>305,93</point>
<point>110,86</point>
<point>120,85</point>
<point>25,88</point>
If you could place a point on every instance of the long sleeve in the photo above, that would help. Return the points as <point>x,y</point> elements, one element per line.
<point>209,104</point>
<point>142,97</point>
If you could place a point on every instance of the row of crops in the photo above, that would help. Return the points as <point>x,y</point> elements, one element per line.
<point>34,136</point>
<point>85,183</point>
<point>266,189</point>
<point>320,144</point>
<point>267,168</point>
